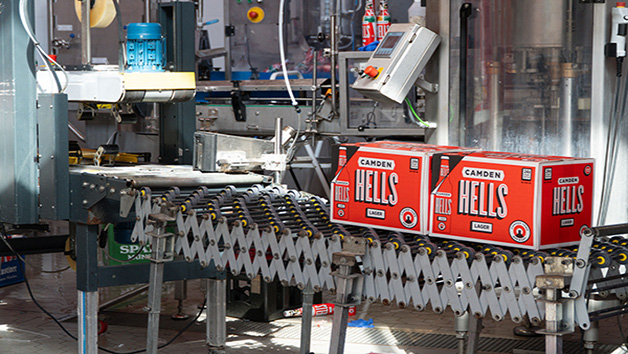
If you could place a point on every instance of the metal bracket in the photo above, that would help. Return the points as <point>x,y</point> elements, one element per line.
<point>93,191</point>
<point>353,245</point>
<point>127,198</point>
<point>229,31</point>
<point>237,102</point>
<point>427,86</point>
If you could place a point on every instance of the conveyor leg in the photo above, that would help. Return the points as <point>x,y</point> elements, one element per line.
<point>87,286</point>
<point>461,326</point>
<point>88,322</point>
<point>306,319</point>
<point>180,294</point>
<point>348,289</point>
<point>475,327</point>
<point>154,304</point>
<point>162,246</point>
<point>344,287</point>
<point>590,337</point>
<point>553,314</point>
<point>216,315</point>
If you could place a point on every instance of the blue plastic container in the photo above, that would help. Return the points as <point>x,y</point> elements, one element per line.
<point>145,47</point>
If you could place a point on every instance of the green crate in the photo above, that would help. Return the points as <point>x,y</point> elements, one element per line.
<point>124,251</point>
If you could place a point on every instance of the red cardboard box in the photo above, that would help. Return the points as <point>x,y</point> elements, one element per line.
<point>524,201</point>
<point>384,184</point>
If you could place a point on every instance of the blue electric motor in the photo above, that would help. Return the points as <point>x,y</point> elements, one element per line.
<point>145,48</point>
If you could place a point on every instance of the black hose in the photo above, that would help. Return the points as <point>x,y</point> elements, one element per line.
<point>465,13</point>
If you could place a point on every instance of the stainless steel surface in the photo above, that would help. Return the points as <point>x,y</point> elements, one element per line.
<point>357,114</point>
<point>256,85</point>
<point>528,39</point>
<point>216,315</point>
<point>278,139</point>
<point>169,175</point>
<point>400,65</point>
<point>539,23</point>
<point>218,116</point>
<point>86,41</point>
<point>218,152</point>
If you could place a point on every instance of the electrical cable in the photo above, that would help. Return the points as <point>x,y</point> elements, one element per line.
<point>616,125</point>
<point>47,59</point>
<point>30,293</point>
<point>282,55</point>
<point>415,114</point>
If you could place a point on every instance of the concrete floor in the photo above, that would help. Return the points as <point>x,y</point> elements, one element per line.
<point>25,329</point>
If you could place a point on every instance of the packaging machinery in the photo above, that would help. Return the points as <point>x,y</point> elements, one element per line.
<point>524,76</point>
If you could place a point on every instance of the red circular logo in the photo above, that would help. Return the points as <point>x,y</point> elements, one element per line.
<point>587,170</point>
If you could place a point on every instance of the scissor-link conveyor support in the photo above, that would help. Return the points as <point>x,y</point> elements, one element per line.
<point>287,236</point>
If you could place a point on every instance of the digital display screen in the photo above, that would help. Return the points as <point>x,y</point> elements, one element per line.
<point>388,46</point>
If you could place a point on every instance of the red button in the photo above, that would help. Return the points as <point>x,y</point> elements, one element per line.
<point>253,14</point>
<point>371,71</point>
<point>621,4</point>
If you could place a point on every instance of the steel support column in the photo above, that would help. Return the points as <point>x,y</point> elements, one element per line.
<point>87,285</point>
<point>216,315</point>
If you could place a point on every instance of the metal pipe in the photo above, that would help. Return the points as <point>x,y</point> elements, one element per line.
<point>146,10</point>
<point>313,116</point>
<point>494,121</point>
<point>568,107</point>
<point>278,144</point>
<point>51,27</point>
<point>334,62</point>
<point>607,230</point>
<point>86,41</point>
<point>76,132</point>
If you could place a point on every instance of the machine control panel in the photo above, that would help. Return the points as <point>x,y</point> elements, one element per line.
<point>397,62</point>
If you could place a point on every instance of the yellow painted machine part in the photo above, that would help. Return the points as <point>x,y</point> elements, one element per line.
<point>101,14</point>
<point>159,81</point>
